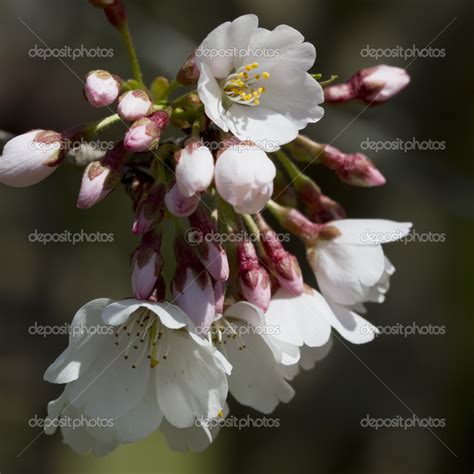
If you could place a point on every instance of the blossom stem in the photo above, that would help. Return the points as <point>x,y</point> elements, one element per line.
<point>293,171</point>
<point>100,125</point>
<point>132,54</point>
<point>253,228</point>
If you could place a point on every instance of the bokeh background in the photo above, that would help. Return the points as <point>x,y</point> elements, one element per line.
<point>320,431</point>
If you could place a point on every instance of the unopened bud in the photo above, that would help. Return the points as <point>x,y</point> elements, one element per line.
<point>254,281</point>
<point>194,168</point>
<point>373,86</point>
<point>31,157</point>
<point>192,287</point>
<point>134,105</point>
<point>101,177</point>
<point>147,264</point>
<point>101,88</point>
<point>355,169</point>
<point>189,73</point>
<point>114,11</point>
<point>179,205</point>
<point>150,209</point>
<point>211,254</point>
<point>285,266</point>
<point>319,207</point>
<point>144,134</point>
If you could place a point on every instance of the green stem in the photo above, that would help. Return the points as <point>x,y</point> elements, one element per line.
<point>253,229</point>
<point>293,171</point>
<point>132,54</point>
<point>100,125</point>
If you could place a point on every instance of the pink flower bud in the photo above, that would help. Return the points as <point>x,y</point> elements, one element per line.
<point>101,88</point>
<point>284,265</point>
<point>254,281</point>
<point>146,265</point>
<point>378,84</point>
<point>296,223</point>
<point>192,288</point>
<point>374,85</point>
<point>188,75</point>
<point>211,254</point>
<point>244,177</point>
<point>149,210</point>
<point>181,206</point>
<point>195,168</point>
<point>101,177</point>
<point>134,105</point>
<point>145,133</point>
<point>319,207</point>
<point>355,169</point>
<point>114,10</point>
<point>31,157</point>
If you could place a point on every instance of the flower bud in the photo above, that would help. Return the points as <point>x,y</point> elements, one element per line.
<point>284,265</point>
<point>373,86</point>
<point>145,133</point>
<point>188,75</point>
<point>319,207</point>
<point>295,222</point>
<point>134,105</point>
<point>114,11</point>
<point>355,169</point>
<point>101,177</point>
<point>181,206</point>
<point>244,177</point>
<point>254,282</point>
<point>147,264</point>
<point>194,169</point>
<point>31,157</point>
<point>150,210</point>
<point>192,287</point>
<point>378,84</point>
<point>211,254</point>
<point>101,88</point>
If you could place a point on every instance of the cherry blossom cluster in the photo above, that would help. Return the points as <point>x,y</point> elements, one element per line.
<point>215,174</point>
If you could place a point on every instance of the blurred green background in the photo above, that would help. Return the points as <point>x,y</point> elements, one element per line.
<point>320,430</point>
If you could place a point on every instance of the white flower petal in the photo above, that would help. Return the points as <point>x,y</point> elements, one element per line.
<point>266,128</point>
<point>301,319</point>
<point>256,380</point>
<point>210,94</point>
<point>189,382</point>
<point>345,273</point>
<point>370,231</point>
<point>351,326</point>
<point>141,420</point>
<point>111,387</point>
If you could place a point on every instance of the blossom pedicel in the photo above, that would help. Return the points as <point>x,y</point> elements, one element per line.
<point>230,312</point>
